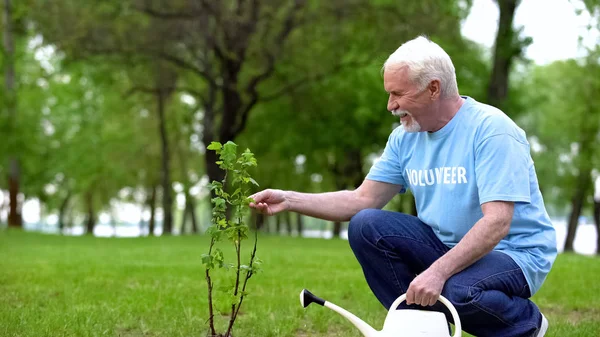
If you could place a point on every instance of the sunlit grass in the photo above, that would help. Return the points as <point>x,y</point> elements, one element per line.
<point>85,286</point>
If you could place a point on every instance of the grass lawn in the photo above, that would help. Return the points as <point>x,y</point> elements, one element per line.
<point>85,286</point>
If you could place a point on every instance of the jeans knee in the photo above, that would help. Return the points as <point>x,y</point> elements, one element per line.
<point>358,222</point>
<point>459,294</point>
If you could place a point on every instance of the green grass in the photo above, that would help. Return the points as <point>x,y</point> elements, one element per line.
<point>84,286</point>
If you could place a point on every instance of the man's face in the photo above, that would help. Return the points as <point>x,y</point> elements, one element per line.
<point>406,100</point>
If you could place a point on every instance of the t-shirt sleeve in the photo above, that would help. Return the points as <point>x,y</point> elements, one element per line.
<point>387,168</point>
<point>502,166</point>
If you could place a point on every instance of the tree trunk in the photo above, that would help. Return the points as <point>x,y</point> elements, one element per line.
<point>10,92</point>
<point>506,48</point>
<point>184,217</point>
<point>189,213</point>
<point>299,224</point>
<point>583,184</point>
<point>142,223</point>
<point>226,130</point>
<point>260,221</point>
<point>62,212</point>
<point>113,222</point>
<point>337,229</point>
<point>69,219</point>
<point>212,169</point>
<point>347,171</point>
<point>288,222</point>
<point>3,208</point>
<point>152,221</point>
<point>14,215</point>
<point>597,223</point>
<point>193,216</point>
<point>278,224</point>
<point>167,196</point>
<point>90,221</point>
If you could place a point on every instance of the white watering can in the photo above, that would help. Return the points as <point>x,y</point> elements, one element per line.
<point>398,323</point>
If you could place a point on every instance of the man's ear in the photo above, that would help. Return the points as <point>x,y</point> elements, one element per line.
<point>435,89</point>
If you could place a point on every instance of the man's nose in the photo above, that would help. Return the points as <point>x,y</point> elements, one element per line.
<point>391,106</point>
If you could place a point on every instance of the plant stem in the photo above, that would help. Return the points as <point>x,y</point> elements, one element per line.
<point>238,246</point>
<point>238,250</point>
<point>211,316</point>
<point>249,273</point>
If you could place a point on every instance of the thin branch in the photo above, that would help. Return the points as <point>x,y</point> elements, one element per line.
<point>186,65</point>
<point>249,273</point>
<point>251,88</point>
<point>136,89</point>
<point>238,250</point>
<point>210,294</point>
<point>197,94</point>
<point>205,5</point>
<point>245,113</point>
<point>288,26</point>
<point>169,16</point>
<point>242,37</point>
<point>291,87</point>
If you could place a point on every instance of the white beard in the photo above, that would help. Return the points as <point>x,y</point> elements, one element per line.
<point>413,126</point>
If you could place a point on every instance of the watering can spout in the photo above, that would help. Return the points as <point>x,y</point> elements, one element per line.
<point>306,298</point>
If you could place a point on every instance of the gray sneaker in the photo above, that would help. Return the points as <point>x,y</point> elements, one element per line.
<point>543,327</point>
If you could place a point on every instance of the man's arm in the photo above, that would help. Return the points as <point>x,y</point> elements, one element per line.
<point>480,240</point>
<point>333,206</point>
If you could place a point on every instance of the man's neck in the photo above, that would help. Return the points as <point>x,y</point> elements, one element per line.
<point>447,110</point>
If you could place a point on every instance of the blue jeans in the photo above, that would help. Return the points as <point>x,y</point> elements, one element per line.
<point>490,296</point>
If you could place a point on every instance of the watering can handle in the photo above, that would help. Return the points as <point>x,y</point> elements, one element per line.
<point>457,326</point>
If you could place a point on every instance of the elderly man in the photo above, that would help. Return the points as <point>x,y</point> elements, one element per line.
<point>482,238</point>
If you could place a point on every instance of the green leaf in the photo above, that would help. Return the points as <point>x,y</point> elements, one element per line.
<point>215,185</point>
<point>253,181</point>
<point>247,159</point>
<point>229,154</point>
<point>207,261</point>
<point>222,223</point>
<point>219,257</point>
<point>218,202</point>
<point>215,146</point>
<point>235,299</point>
<point>224,288</point>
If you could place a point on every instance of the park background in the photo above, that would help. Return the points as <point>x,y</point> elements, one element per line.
<point>108,107</point>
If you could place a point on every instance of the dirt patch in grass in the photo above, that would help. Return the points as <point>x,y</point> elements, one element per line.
<point>132,332</point>
<point>306,333</point>
<point>573,316</point>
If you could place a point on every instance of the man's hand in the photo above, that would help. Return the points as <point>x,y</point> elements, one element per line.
<point>426,288</point>
<point>270,202</point>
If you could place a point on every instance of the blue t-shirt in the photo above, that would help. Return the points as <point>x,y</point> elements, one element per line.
<point>481,155</point>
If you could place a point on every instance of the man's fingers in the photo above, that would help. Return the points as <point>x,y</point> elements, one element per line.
<point>261,207</point>
<point>410,296</point>
<point>256,197</point>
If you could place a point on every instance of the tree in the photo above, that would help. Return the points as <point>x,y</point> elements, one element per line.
<point>113,31</point>
<point>509,45</point>
<point>10,107</point>
<point>567,139</point>
<point>338,122</point>
<point>165,79</point>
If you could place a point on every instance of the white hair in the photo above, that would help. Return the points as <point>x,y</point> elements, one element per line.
<point>426,61</point>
